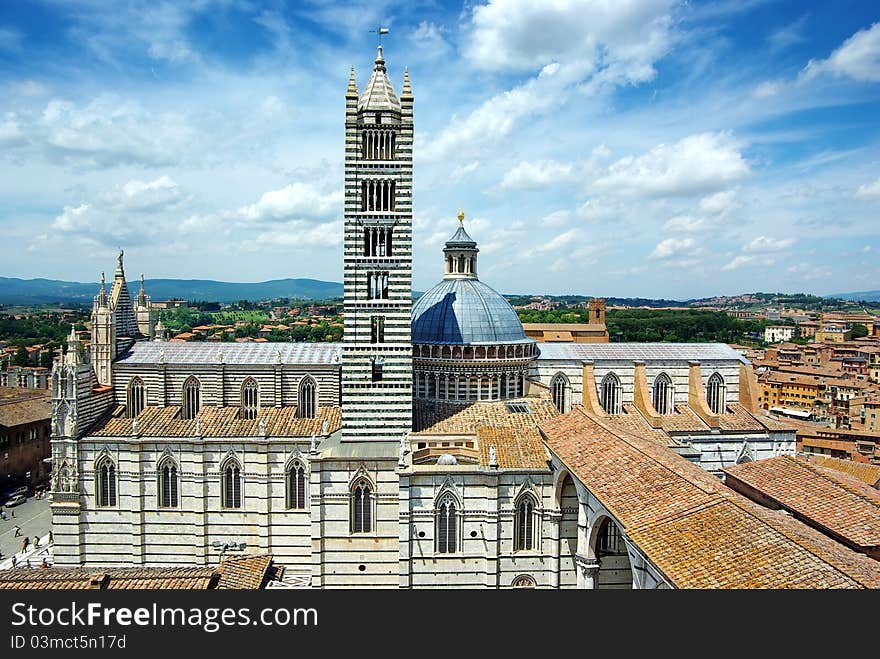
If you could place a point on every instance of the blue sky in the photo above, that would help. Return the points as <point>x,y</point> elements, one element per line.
<point>631,148</point>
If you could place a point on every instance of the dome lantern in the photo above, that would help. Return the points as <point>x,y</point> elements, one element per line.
<point>460,254</point>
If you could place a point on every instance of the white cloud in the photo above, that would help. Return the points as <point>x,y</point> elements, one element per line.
<point>537,174</point>
<point>299,233</point>
<point>695,164</point>
<point>291,202</point>
<point>857,58</point>
<point>524,35</point>
<point>869,191</point>
<point>556,218</point>
<point>671,247</point>
<point>428,38</point>
<point>738,262</point>
<point>718,203</point>
<point>463,171</point>
<point>685,224</point>
<point>763,244</point>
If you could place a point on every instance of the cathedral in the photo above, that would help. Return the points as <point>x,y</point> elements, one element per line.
<point>436,445</point>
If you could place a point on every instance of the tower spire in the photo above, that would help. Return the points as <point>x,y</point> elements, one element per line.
<point>352,84</point>
<point>102,294</point>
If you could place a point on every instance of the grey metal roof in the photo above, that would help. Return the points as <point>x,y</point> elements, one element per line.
<point>461,239</point>
<point>640,351</point>
<point>155,352</point>
<point>465,311</point>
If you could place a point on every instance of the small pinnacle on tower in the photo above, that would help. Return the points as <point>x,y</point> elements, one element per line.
<point>461,216</point>
<point>352,83</point>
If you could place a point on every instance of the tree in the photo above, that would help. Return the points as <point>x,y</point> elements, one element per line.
<point>21,357</point>
<point>859,330</point>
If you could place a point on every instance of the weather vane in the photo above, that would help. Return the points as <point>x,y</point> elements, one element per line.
<point>379,31</point>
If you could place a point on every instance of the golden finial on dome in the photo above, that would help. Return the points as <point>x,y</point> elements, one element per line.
<point>461,215</point>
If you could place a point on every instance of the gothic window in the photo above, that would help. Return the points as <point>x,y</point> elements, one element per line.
<point>105,483</point>
<point>611,398</point>
<point>250,399</point>
<point>524,524</point>
<point>715,393</point>
<point>135,397</point>
<point>361,507</point>
<point>377,195</point>
<point>168,484</point>
<point>663,394</point>
<point>62,382</point>
<point>192,398</point>
<point>560,391</point>
<point>307,400</point>
<point>231,476</point>
<point>610,540</point>
<point>297,488</point>
<point>447,526</point>
<point>377,329</point>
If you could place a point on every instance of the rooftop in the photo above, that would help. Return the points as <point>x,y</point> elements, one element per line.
<point>155,352</point>
<point>629,352</point>
<point>19,406</point>
<point>696,531</point>
<point>832,500</point>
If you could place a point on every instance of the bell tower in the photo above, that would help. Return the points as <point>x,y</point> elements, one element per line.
<point>377,351</point>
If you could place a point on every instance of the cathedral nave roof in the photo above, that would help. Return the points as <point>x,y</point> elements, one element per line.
<point>155,352</point>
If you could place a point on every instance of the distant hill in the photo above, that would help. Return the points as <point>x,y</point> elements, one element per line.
<point>868,296</point>
<point>46,291</point>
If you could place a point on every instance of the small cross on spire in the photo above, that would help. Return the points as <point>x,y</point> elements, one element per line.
<point>379,31</point>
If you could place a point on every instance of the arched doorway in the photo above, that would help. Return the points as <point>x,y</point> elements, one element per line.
<point>615,570</point>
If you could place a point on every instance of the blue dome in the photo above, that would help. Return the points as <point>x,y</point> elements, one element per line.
<point>465,311</point>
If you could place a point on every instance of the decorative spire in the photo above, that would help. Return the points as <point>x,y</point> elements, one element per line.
<point>406,91</point>
<point>461,216</point>
<point>352,84</point>
<point>380,61</point>
<point>142,295</point>
<point>102,294</point>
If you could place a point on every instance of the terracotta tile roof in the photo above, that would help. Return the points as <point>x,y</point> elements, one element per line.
<point>684,420</point>
<point>867,473</point>
<point>112,578</point>
<point>836,501</point>
<point>244,572</point>
<point>699,533</point>
<point>632,421</point>
<point>19,406</point>
<point>515,434</point>
<point>738,418</point>
<point>165,421</point>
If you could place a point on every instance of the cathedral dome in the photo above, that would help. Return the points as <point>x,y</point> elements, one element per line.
<point>464,312</point>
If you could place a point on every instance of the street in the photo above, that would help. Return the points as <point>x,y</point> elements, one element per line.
<point>34,518</point>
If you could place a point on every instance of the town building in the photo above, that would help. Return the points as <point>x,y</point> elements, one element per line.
<point>778,333</point>
<point>24,437</point>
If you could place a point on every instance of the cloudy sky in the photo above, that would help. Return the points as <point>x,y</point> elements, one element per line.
<point>628,148</point>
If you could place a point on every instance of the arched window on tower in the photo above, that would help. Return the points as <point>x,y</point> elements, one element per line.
<point>447,525</point>
<point>105,483</point>
<point>377,329</point>
<point>361,507</point>
<point>192,398</point>
<point>611,396</point>
<point>168,484</point>
<point>297,486</point>
<point>250,399</point>
<point>716,393</point>
<point>524,524</point>
<point>560,391</point>
<point>135,397</point>
<point>231,490</point>
<point>307,399</point>
<point>663,394</point>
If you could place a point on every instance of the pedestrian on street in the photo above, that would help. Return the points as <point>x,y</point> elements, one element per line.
<point>36,541</point>
<point>25,543</point>
<point>17,530</point>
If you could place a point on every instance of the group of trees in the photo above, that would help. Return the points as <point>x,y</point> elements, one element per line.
<point>667,325</point>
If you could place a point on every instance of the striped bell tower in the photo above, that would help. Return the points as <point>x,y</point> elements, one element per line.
<point>377,350</point>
